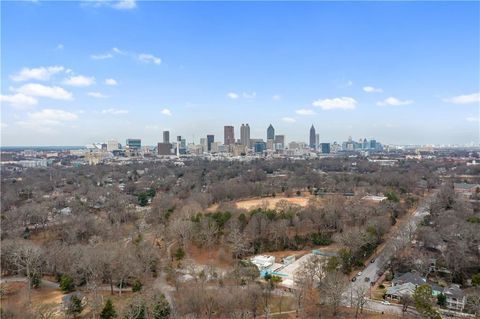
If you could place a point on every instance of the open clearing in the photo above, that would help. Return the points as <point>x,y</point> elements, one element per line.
<point>270,202</point>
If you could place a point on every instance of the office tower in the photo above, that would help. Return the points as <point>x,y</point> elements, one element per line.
<point>245,135</point>
<point>317,141</point>
<point>164,149</point>
<point>228,135</point>
<point>279,142</point>
<point>373,144</point>
<point>270,133</point>
<point>166,136</point>
<point>204,144</point>
<point>365,144</point>
<point>260,147</point>
<point>134,143</point>
<point>325,147</point>
<point>210,140</point>
<point>312,137</point>
<point>112,145</point>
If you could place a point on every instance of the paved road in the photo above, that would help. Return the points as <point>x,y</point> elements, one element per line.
<point>398,240</point>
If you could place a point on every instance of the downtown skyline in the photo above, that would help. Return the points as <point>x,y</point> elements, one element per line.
<point>408,77</point>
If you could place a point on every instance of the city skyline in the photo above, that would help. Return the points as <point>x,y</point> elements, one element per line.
<point>294,65</point>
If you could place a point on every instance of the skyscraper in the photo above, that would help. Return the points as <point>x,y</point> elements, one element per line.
<point>210,140</point>
<point>312,137</point>
<point>228,135</point>
<point>317,141</point>
<point>245,135</point>
<point>270,133</point>
<point>166,137</point>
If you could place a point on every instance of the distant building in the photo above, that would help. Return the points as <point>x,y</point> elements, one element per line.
<point>228,135</point>
<point>260,147</point>
<point>270,133</point>
<point>134,143</point>
<point>112,145</point>
<point>166,136</point>
<point>325,148</point>
<point>245,135</point>
<point>210,140</point>
<point>312,137</point>
<point>279,142</point>
<point>204,144</point>
<point>164,149</point>
<point>317,141</point>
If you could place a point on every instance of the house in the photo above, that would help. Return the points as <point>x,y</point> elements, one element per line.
<point>263,261</point>
<point>409,277</point>
<point>466,189</point>
<point>456,299</point>
<point>396,292</point>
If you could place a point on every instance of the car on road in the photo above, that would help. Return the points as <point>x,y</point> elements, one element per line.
<point>354,279</point>
<point>386,302</point>
<point>359,274</point>
<point>367,279</point>
<point>372,260</point>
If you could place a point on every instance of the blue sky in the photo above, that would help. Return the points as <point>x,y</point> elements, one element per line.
<point>79,72</point>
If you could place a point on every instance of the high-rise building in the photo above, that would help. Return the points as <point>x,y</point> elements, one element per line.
<point>166,137</point>
<point>245,135</point>
<point>210,140</point>
<point>134,143</point>
<point>312,137</point>
<point>112,145</point>
<point>270,133</point>
<point>204,144</point>
<point>228,135</point>
<point>260,147</point>
<point>164,149</point>
<point>279,142</point>
<point>325,147</point>
<point>317,141</point>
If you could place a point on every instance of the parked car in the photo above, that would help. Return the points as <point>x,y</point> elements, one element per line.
<point>372,261</point>
<point>367,279</point>
<point>359,273</point>
<point>386,302</point>
<point>354,279</point>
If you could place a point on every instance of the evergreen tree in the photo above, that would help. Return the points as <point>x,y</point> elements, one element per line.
<point>108,311</point>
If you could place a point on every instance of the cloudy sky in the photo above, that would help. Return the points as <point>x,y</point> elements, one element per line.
<point>73,73</point>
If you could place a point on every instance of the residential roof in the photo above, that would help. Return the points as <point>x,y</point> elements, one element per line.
<point>399,290</point>
<point>410,277</point>
<point>466,186</point>
<point>454,292</point>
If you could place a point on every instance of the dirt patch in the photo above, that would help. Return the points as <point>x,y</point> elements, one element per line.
<point>217,256</point>
<point>270,202</point>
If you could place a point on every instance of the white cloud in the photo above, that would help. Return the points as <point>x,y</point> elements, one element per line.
<point>125,4</point>
<point>118,4</point>
<point>111,82</point>
<point>464,99</point>
<point>52,92</point>
<point>43,121</point>
<point>97,95</point>
<point>394,102</point>
<point>233,95</point>
<point>305,112</point>
<point>372,89</point>
<point>344,103</point>
<point>246,95</point>
<point>472,119</point>
<point>114,111</point>
<point>276,97</point>
<point>19,100</point>
<point>118,51</point>
<point>148,58</point>
<point>101,56</point>
<point>79,80</point>
<point>288,119</point>
<point>166,112</point>
<point>40,74</point>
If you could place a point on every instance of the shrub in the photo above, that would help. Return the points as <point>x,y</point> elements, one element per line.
<point>137,286</point>
<point>66,284</point>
